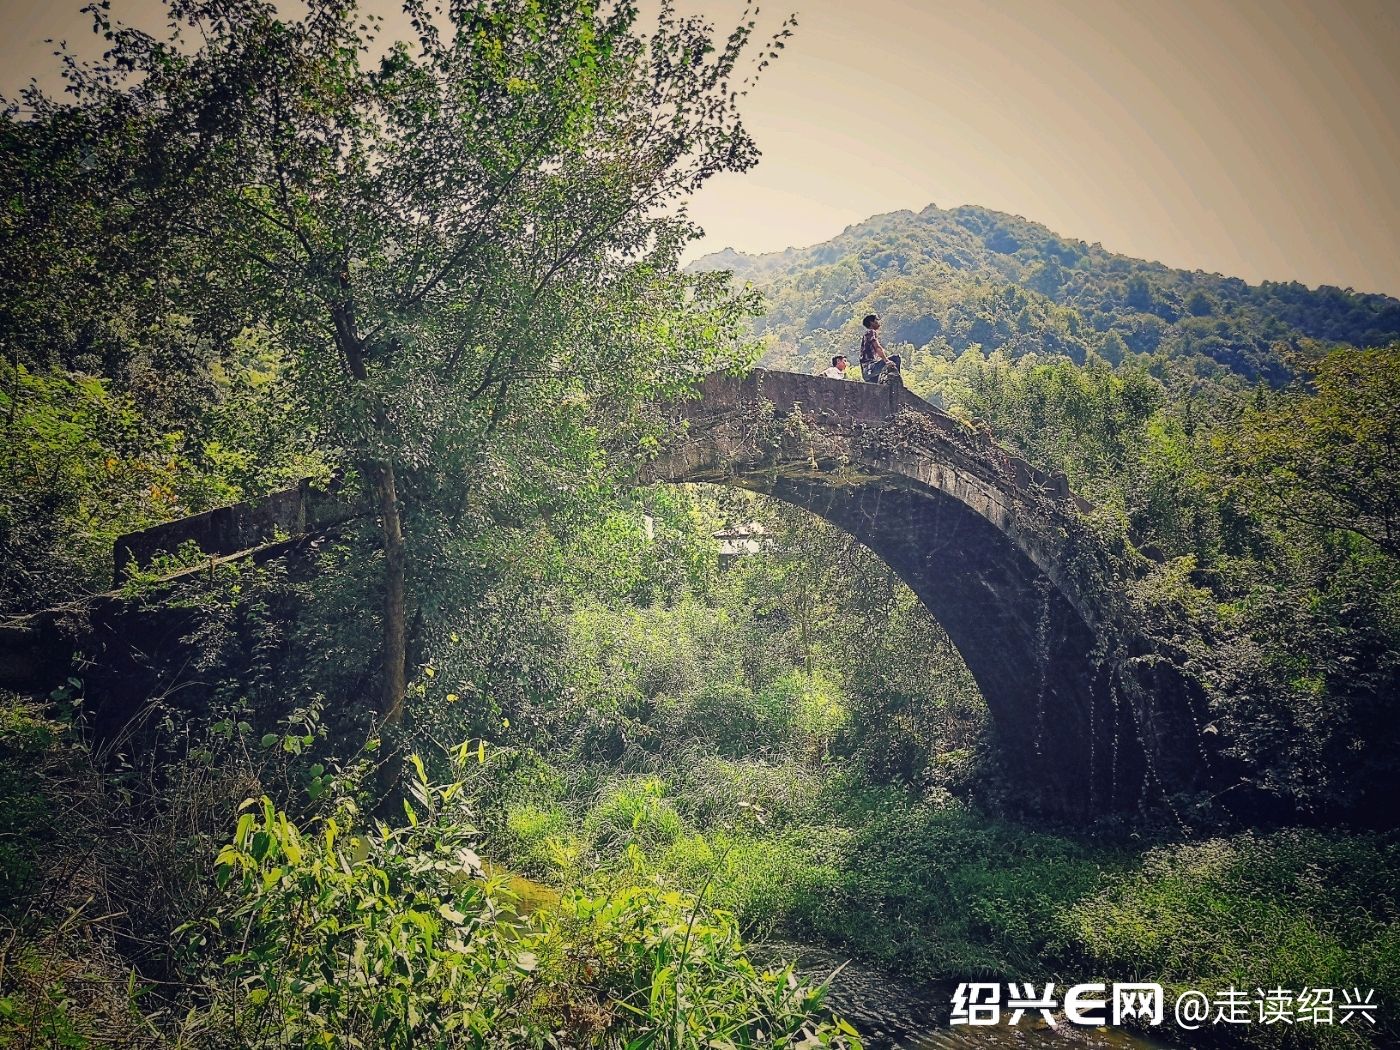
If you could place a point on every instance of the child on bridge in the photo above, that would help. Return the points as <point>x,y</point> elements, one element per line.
<point>837,369</point>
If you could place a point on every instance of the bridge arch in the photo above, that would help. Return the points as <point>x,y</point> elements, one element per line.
<point>1089,718</point>
<point>980,538</point>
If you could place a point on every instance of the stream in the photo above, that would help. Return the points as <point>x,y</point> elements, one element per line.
<point>890,1012</point>
<point>895,1013</point>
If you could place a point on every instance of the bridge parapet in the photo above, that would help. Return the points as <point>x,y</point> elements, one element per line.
<point>846,406</point>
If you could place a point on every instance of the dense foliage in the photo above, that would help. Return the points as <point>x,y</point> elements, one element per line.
<point>443,277</point>
<point>464,246</point>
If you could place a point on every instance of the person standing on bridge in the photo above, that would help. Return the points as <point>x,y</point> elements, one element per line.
<point>839,364</point>
<point>873,359</point>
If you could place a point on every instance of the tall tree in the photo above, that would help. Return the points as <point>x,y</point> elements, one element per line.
<point>469,242</point>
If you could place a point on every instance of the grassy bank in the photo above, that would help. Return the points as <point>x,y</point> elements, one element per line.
<point>939,891</point>
<point>185,908</point>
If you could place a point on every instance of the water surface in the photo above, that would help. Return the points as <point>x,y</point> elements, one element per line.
<point>895,1013</point>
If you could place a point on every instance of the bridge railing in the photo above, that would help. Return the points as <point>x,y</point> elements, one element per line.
<point>850,402</point>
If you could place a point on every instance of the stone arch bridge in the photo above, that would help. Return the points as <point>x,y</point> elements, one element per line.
<point>1089,719</point>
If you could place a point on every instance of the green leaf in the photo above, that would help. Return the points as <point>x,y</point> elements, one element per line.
<point>359,850</point>
<point>242,830</point>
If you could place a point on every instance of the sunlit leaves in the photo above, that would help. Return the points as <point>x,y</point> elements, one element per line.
<point>402,939</point>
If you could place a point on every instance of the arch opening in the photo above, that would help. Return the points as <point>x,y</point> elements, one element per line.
<point>964,525</point>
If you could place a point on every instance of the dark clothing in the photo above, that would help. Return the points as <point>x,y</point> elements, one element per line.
<point>870,370</point>
<point>868,342</point>
<point>872,365</point>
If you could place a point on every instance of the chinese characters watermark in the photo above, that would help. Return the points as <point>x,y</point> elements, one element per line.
<point>983,1003</point>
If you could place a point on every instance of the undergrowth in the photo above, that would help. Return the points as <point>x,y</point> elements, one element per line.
<point>164,913</point>
<point>939,891</point>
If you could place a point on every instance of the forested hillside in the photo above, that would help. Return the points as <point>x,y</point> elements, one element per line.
<point>970,278</point>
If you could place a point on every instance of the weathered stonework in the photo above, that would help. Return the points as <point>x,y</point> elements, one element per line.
<point>1089,723</point>
<point>241,527</point>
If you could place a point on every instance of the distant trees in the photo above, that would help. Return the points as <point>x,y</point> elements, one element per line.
<point>1047,278</point>
<point>1138,294</point>
<point>944,272</point>
<point>1328,453</point>
<point>1199,304</point>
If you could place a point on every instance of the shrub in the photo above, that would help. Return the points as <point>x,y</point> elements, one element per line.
<point>632,812</point>
<point>709,789</point>
<point>1294,909</point>
<point>682,977</point>
<point>27,748</point>
<point>347,934</point>
<point>538,840</point>
<point>818,709</point>
<point>727,716</point>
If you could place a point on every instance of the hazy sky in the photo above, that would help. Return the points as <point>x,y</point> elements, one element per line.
<point>1258,138</point>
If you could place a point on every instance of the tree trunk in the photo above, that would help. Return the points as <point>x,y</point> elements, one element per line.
<point>393,683</point>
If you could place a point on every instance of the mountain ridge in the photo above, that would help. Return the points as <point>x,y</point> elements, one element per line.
<point>712,260</point>
<point>971,276</point>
